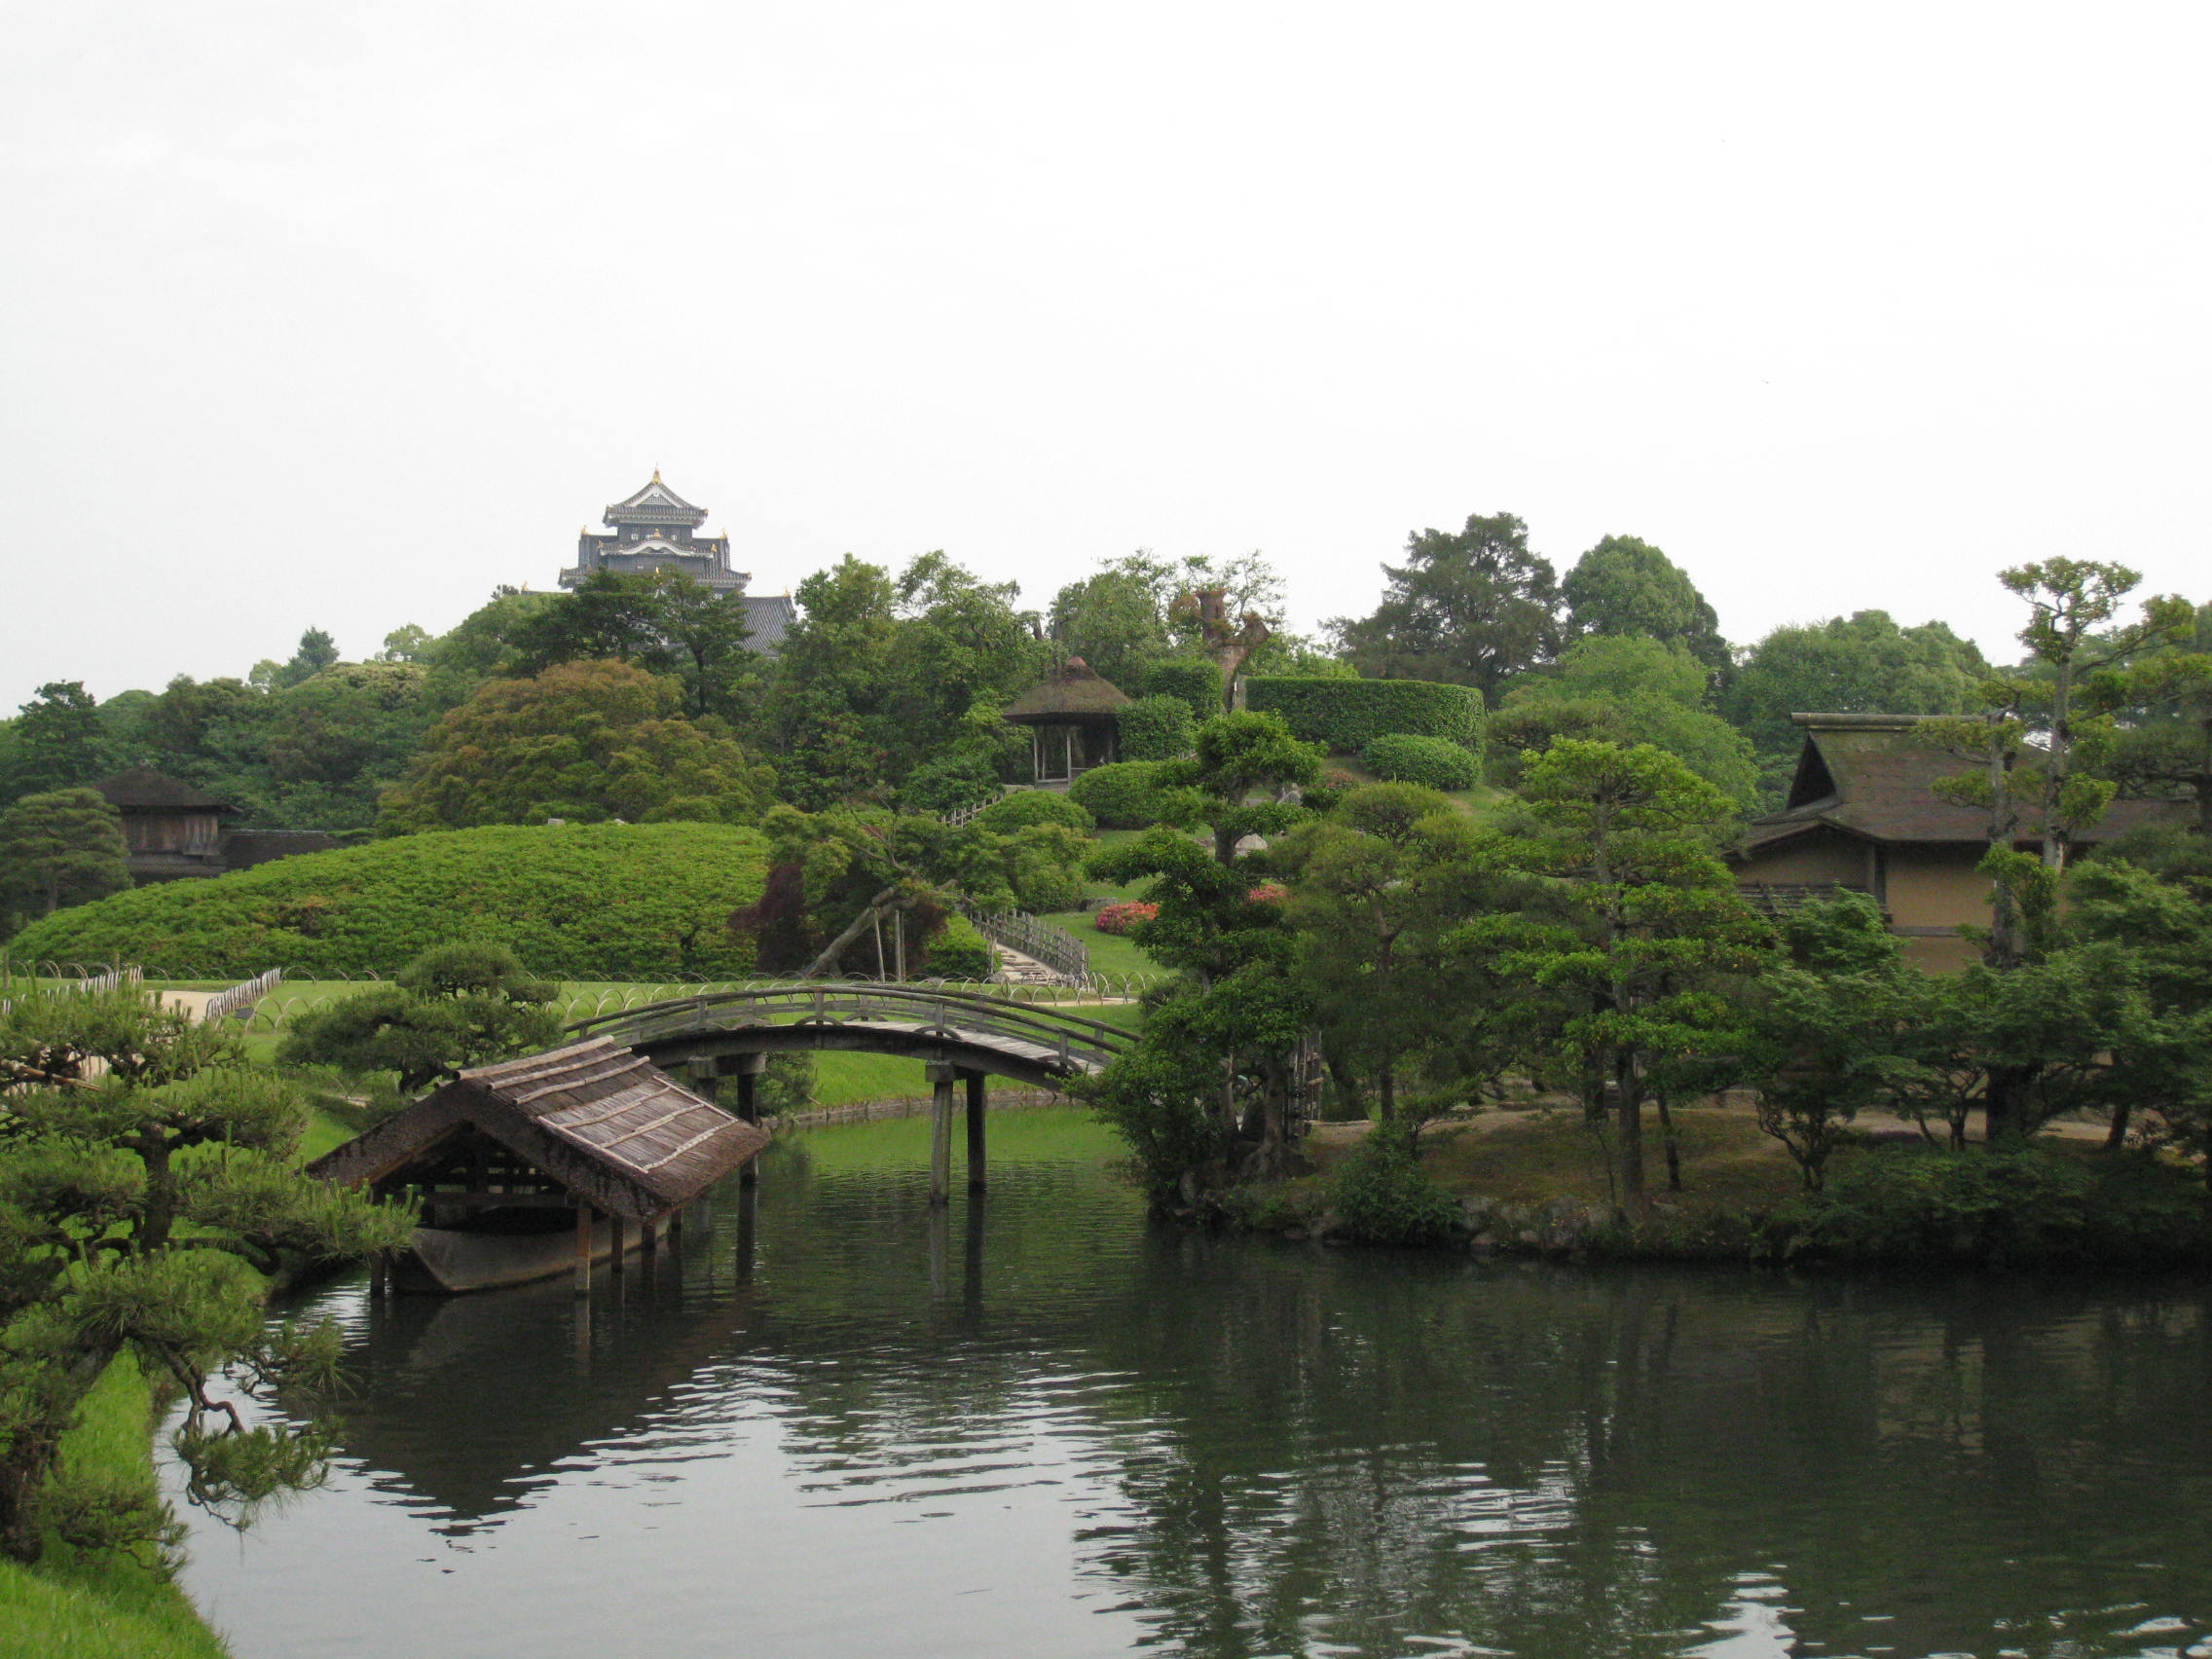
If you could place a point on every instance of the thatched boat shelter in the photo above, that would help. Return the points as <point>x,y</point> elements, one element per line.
<point>532,1165</point>
<point>1073,721</point>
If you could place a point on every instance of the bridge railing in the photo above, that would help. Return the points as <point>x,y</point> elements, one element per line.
<point>1072,1039</point>
<point>1034,937</point>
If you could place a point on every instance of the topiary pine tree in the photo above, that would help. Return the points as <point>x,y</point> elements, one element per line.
<point>146,1188</point>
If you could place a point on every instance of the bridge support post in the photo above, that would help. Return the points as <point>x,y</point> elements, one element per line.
<point>975,1108</point>
<point>747,1069</point>
<point>942,1078</point>
<point>615,1241</point>
<point>584,1216</point>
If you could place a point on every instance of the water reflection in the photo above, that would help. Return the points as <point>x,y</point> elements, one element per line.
<point>1035,1426</point>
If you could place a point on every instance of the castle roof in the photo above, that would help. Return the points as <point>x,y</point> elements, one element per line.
<point>657,504</point>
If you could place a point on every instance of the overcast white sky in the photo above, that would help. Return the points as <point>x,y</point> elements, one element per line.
<point>343,314</point>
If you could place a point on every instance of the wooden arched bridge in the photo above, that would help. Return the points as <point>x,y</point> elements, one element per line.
<point>962,1037</point>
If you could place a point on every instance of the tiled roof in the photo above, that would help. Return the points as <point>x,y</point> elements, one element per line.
<point>1873,774</point>
<point>609,1125</point>
<point>143,787</point>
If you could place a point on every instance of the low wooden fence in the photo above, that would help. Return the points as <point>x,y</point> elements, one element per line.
<point>1035,938</point>
<point>246,995</point>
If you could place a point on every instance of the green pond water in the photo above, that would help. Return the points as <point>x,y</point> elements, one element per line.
<point>1039,1426</point>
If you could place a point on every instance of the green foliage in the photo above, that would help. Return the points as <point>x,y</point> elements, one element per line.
<point>959,952</point>
<point>1629,692</point>
<point>1155,729</point>
<point>1380,1194</point>
<point>1045,866</point>
<point>316,651</point>
<point>1195,682</point>
<point>1346,715</point>
<point>1625,586</point>
<point>1130,795</point>
<point>1431,761</point>
<point>57,741</point>
<point>660,621</point>
<point>453,1005</point>
<point>2030,1206</point>
<point>1862,664</point>
<point>1116,621</point>
<point>1237,757</point>
<point>1473,606</point>
<point>62,847</point>
<point>1023,807</point>
<point>948,783</point>
<point>599,901</point>
<point>146,1187</point>
<point>582,740</point>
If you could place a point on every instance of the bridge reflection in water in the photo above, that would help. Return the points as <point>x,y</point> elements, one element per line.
<point>962,1038</point>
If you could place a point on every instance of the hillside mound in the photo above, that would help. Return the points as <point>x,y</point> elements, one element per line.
<point>579,902</point>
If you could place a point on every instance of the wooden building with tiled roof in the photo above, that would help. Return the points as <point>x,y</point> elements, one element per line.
<point>1863,814</point>
<point>656,530</point>
<point>542,1164</point>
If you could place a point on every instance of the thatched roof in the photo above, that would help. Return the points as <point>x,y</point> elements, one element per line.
<point>1872,776</point>
<point>1075,692</point>
<point>144,790</point>
<point>611,1128</point>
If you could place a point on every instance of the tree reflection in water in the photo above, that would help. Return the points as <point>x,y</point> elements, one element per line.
<point>1261,1449</point>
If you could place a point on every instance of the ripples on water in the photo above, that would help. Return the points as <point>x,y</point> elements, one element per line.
<point>1038,1429</point>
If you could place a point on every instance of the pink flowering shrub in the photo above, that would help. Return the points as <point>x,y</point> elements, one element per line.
<point>1120,919</point>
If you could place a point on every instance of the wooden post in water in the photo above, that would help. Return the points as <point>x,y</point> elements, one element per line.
<point>942,1078</point>
<point>584,1219</point>
<point>747,1069</point>
<point>615,1242</point>
<point>975,1108</point>
<point>649,1240</point>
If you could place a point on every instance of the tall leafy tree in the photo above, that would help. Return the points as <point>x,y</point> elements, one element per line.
<point>1473,606</point>
<point>1629,689</point>
<point>1654,934</point>
<point>2071,634</point>
<point>316,651</point>
<point>661,621</point>
<point>2161,744</point>
<point>583,740</point>
<point>1625,586</point>
<point>62,847</point>
<point>1861,664</point>
<point>58,739</point>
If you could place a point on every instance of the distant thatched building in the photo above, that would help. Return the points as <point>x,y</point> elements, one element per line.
<point>1072,716</point>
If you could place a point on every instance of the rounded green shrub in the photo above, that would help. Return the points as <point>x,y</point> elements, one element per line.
<point>1435,762</point>
<point>1126,796</point>
<point>959,952</point>
<point>1156,728</point>
<point>577,901</point>
<point>1382,1195</point>
<point>1024,807</point>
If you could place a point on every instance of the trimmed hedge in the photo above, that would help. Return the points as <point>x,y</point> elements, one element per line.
<point>1024,807</point>
<point>959,952</point>
<point>1404,759</point>
<point>1156,728</point>
<point>1348,715</point>
<point>1126,796</point>
<point>579,901</point>
<point>1195,682</point>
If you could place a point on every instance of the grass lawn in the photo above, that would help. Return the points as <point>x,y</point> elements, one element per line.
<point>111,1608</point>
<point>1528,1157</point>
<point>1110,953</point>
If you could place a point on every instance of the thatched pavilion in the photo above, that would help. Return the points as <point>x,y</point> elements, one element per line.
<point>1072,721</point>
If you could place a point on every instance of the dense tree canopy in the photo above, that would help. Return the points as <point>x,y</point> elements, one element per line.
<point>583,741</point>
<point>1628,690</point>
<point>1862,664</point>
<point>1627,586</point>
<point>1474,607</point>
<point>61,847</point>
